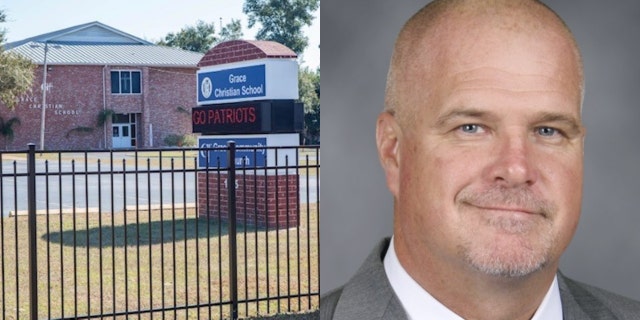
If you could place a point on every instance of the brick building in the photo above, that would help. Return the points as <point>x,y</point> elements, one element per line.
<point>146,90</point>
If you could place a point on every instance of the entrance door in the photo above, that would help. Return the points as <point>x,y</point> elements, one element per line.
<point>121,135</point>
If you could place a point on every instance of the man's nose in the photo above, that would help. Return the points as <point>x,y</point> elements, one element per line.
<point>514,162</point>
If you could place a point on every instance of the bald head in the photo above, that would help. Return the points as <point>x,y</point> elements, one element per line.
<point>443,34</point>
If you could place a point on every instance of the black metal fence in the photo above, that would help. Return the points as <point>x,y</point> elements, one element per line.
<point>159,234</point>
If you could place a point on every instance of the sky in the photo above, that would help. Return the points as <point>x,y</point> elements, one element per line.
<point>147,19</point>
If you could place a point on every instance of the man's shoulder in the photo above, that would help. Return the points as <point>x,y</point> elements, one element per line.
<point>596,302</point>
<point>328,303</point>
<point>367,295</point>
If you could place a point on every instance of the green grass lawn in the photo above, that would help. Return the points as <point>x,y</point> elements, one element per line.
<point>94,264</point>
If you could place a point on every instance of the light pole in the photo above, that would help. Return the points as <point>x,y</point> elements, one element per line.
<point>44,96</point>
<point>44,92</point>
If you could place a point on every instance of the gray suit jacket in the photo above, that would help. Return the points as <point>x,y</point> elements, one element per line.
<point>368,295</point>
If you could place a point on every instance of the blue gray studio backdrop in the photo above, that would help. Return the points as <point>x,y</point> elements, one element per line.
<point>357,38</point>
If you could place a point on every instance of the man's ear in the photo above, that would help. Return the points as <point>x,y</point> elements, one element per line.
<point>388,139</point>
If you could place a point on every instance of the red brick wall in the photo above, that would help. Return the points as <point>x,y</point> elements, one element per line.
<point>170,90</point>
<point>272,200</point>
<point>75,98</point>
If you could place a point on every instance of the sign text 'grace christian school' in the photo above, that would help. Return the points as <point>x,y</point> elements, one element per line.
<point>264,79</point>
<point>243,82</point>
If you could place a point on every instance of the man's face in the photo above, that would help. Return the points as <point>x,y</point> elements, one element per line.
<point>489,170</point>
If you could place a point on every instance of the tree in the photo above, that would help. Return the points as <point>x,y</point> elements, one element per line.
<point>16,72</point>
<point>282,20</point>
<point>232,31</point>
<point>3,18</point>
<point>202,36</point>
<point>6,128</point>
<point>309,88</point>
<point>198,38</point>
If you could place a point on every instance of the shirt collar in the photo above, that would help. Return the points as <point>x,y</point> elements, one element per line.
<point>417,302</point>
<point>551,306</point>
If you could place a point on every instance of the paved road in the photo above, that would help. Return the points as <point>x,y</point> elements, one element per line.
<point>93,190</point>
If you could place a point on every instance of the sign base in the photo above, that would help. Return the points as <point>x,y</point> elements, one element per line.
<point>267,201</point>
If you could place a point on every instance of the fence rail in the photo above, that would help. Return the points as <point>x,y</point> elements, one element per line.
<point>156,234</point>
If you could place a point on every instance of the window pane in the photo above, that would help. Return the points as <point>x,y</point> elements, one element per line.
<point>116,132</point>
<point>125,82</point>
<point>135,82</point>
<point>125,131</point>
<point>121,118</point>
<point>115,82</point>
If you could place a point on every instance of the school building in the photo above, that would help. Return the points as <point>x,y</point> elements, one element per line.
<point>145,92</point>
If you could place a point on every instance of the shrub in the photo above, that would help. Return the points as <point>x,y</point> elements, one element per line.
<point>180,140</point>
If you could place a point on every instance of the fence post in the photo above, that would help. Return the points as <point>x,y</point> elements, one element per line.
<point>233,253</point>
<point>33,256</point>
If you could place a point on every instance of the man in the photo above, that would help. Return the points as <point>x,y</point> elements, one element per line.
<point>482,142</point>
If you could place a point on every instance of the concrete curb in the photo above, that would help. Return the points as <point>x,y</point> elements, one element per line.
<point>95,210</point>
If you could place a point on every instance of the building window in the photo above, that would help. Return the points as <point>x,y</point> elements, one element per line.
<point>125,82</point>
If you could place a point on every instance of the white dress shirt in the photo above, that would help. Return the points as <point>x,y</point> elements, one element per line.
<point>419,304</point>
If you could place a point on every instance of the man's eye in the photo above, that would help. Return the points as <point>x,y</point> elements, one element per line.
<point>470,128</point>
<point>547,131</point>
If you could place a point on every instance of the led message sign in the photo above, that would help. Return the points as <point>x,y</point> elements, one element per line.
<point>273,116</point>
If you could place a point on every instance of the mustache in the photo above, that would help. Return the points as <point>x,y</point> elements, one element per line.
<point>507,197</point>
